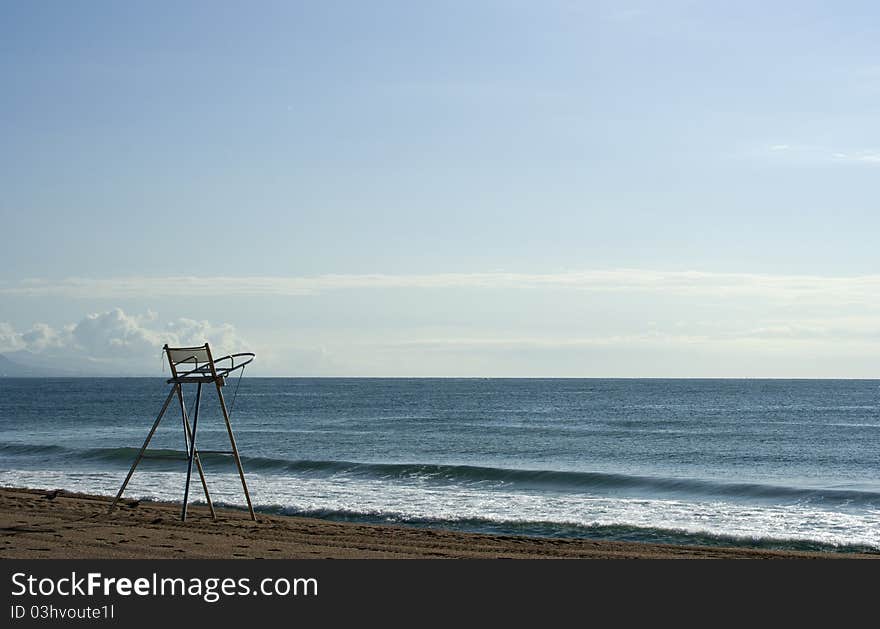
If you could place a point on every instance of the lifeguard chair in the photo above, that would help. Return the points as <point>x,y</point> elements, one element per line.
<point>196,365</point>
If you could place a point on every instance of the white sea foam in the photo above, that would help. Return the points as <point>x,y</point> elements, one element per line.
<point>413,501</point>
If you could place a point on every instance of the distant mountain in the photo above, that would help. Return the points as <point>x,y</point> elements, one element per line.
<point>7,367</point>
<point>25,364</point>
<point>13,369</point>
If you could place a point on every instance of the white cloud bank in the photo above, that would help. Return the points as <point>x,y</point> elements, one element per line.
<point>114,341</point>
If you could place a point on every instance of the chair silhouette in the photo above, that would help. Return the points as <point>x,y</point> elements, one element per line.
<point>196,365</point>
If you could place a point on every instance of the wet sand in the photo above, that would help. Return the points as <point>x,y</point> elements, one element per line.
<point>62,525</point>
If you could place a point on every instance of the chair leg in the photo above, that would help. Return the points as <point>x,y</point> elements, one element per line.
<point>235,451</point>
<point>187,438</point>
<point>192,452</point>
<point>143,449</point>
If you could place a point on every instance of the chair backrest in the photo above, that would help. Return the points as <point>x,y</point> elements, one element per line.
<point>186,360</point>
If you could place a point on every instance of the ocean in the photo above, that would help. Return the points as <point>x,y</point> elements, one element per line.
<point>788,464</point>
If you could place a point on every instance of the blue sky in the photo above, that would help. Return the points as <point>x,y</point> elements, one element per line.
<point>445,188</point>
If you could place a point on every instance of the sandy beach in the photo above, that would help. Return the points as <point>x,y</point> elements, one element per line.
<point>57,524</point>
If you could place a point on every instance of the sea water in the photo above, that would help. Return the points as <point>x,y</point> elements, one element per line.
<point>791,464</point>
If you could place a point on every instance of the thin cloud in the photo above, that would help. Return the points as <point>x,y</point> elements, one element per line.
<point>856,289</point>
<point>819,154</point>
<point>488,343</point>
<point>781,333</point>
<point>842,329</point>
<point>865,157</point>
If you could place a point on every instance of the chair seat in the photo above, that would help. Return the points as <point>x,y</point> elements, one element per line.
<point>196,379</point>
